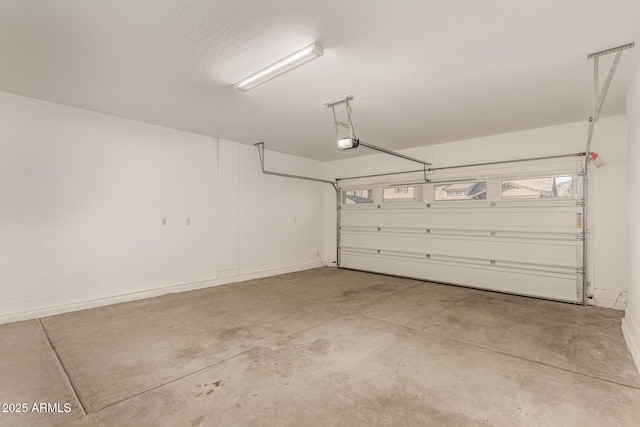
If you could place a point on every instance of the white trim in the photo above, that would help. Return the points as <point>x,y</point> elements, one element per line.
<point>631,333</point>
<point>266,271</point>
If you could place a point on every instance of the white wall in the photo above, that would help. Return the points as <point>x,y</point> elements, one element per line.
<point>609,214</point>
<point>631,322</point>
<point>609,275</point>
<point>83,194</point>
<point>267,222</point>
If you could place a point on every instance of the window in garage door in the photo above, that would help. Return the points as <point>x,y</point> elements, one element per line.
<point>461,191</point>
<point>402,194</point>
<point>354,197</point>
<point>515,234</point>
<point>538,188</point>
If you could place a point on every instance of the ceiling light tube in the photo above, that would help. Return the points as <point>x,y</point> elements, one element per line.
<point>292,61</point>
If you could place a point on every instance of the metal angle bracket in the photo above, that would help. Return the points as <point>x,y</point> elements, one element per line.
<point>260,146</point>
<point>346,99</point>
<point>348,127</point>
<point>611,50</point>
<point>599,94</point>
<point>342,125</point>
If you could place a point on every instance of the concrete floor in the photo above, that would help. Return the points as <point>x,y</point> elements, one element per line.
<point>323,347</point>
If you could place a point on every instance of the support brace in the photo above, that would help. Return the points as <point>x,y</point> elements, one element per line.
<point>599,96</point>
<point>352,134</point>
<point>260,146</point>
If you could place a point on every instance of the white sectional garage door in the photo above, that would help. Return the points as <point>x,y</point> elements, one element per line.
<point>519,233</point>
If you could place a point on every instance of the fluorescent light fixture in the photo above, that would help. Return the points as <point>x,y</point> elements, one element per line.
<point>348,143</point>
<point>292,61</point>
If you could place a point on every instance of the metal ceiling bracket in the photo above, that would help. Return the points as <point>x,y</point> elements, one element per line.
<point>599,94</point>
<point>348,126</point>
<point>260,146</point>
<point>342,101</point>
<point>611,50</point>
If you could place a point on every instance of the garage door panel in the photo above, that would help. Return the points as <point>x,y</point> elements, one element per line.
<point>537,233</point>
<point>562,219</point>
<point>560,252</point>
<point>374,216</point>
<point>560,287</point>
<point>524,246</point>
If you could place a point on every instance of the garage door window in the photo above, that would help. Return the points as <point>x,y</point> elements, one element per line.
<point>351,197</point>
<point>538,188</point>
<point>461,191</point>
<point>404,194</point>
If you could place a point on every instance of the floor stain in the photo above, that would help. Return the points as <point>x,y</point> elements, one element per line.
<point>229,333</point>
<point>348,294</point>
<point>198,420</point>
<point>320,346</point>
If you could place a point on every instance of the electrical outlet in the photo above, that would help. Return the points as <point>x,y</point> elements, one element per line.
<point>164,221</point>
<point>188,221</point>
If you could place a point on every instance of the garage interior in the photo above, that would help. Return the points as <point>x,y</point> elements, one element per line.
<point>429,220</point>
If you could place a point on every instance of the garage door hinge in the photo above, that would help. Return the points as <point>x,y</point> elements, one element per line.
<point>492,262</point>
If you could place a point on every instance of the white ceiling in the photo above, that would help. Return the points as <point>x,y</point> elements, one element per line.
<point>421,71</point>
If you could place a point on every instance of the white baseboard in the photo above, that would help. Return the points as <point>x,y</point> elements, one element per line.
<point>264,271</point>
<point>631,333</point>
